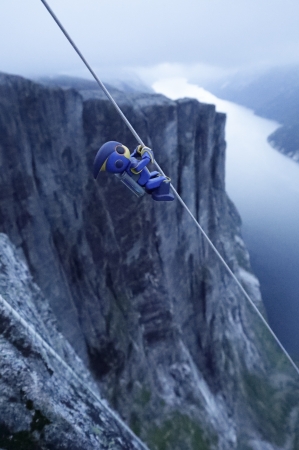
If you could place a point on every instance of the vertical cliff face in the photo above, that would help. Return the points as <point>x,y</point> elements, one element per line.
<point>135,289</point>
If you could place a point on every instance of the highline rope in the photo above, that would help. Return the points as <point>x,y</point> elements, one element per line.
<point>138,138</point>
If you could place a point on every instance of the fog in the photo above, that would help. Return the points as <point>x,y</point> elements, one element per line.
<point>137,34</point>
<point>264,185</point>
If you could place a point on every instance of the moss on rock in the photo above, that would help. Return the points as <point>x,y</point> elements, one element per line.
<point>178,432</point>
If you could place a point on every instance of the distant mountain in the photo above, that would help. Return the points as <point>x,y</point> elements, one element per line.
<point>286,140</point>
<point>273,94</point>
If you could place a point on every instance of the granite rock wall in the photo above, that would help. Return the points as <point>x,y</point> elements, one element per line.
<point>166,334</point>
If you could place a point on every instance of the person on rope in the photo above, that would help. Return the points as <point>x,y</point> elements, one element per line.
<point>114,157</point>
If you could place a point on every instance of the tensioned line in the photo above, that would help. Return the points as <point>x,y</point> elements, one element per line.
<point>172,187</point>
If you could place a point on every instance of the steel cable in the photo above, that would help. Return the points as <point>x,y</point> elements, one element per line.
<point>138,138</point>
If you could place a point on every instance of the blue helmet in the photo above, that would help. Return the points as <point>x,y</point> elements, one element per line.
<point>112,157</point>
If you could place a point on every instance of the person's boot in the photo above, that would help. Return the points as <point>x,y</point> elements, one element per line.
<point>162,193</point>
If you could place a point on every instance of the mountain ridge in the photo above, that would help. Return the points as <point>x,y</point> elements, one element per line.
<point>273,94</point>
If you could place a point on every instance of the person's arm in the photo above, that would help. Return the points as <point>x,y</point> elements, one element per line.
<point>147,156</point>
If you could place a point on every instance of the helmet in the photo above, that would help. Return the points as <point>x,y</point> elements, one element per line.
<point>112,157</point>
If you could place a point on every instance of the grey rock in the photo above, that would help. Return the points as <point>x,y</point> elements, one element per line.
<point>168,337</point>
<point>43,405</point>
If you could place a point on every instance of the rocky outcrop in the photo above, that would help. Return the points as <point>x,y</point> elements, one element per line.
<point>286,140</point>
<point>167,335</point>
<point>47,397</point>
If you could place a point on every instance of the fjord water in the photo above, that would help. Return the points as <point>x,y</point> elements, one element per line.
<point>264,185</point>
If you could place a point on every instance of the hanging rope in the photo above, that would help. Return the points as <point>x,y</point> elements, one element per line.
<point>172,187</point>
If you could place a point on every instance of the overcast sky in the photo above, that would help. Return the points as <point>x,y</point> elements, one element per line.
<point>152,34</point>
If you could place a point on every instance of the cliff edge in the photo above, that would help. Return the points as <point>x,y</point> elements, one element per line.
<point>167,336</point>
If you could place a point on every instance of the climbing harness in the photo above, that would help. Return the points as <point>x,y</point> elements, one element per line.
<point>172,187</point>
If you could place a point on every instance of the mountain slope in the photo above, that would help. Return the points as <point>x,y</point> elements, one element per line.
<point>47,396</point>
<point>273,94</point>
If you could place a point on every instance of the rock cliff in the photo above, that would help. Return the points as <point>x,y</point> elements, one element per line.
<point>47,397</point>
<point>165,333</point>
